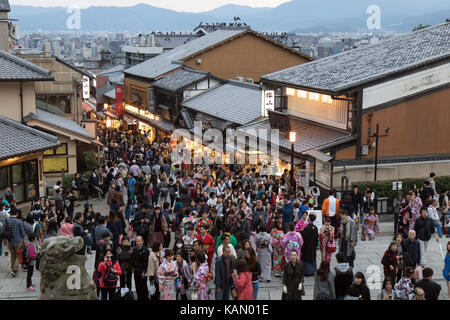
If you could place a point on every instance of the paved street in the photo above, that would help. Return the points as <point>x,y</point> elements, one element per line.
<point>368,253</point>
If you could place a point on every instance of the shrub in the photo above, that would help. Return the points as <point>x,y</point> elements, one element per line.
<point>383,189</point>
<point>89,161</point>
<point>67,181</point>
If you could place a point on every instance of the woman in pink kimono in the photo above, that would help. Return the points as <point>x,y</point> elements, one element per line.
<point>202,278</point>
<point>371,224</point>
<point>167,274</point>
<point>278,252</point>
<point>415,205</point>
<point>325,236</point>
<point>292,241</point>
<point>302,223</point>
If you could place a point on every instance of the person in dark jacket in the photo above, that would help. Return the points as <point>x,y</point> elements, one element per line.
<point>288,212</point>
<point>124,256</point>
<point>142,222</point>
<point>225,266</point>
<point>357,199</point>
<point>243,224</point>
<point>411,250</point>
<point>79,231</point>
<point>293,279</point>
<point>431,288</point>
<point>424,228</point>
<point>358,290</point>
<point>309,248</point>
<point>139,263</point>
<point>343,277</point>
<point>116,227</point>
<point>389,261</point>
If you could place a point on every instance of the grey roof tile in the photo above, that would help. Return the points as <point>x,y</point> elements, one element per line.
<point>174,40</point>
<point>15,68</point>
<point>19,139</point>
<point>164,63</point>
<point>59,122</point>
<point>309,135</point>
<point>234,101</point>
<point>362,65</point>
<point>179,80</point>
<point>4,6</point>
<point>111,93</point>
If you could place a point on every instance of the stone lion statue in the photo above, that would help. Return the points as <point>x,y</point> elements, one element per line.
<point>63,274</point>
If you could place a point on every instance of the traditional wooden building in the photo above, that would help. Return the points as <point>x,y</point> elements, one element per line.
<point>400,86</point>
<point>199,65</point>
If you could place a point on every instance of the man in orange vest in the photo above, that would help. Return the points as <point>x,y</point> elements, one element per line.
<point>330,208</point>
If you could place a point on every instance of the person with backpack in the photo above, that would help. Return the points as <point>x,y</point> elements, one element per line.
<point>15,234</point>
<point>29,258</point>
<point>109,271</point>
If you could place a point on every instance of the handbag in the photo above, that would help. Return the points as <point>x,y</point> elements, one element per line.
<point>331,246</point>
<point>194,295</point>
<point>152,289</point>
<point>234,293</point>
<point>178,284</point>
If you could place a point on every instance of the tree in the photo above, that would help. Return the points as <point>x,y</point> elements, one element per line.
<point>420,26</point>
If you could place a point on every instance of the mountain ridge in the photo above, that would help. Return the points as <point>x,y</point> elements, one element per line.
<point>344,16</point>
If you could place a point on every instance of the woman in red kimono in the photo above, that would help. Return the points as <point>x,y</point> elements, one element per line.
<point>243,282</point>
<point>208,244</point>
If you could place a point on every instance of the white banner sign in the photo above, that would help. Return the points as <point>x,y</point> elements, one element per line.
<point>86,88</point>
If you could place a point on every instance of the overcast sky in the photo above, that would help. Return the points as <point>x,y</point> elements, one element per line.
<point>178,5</point>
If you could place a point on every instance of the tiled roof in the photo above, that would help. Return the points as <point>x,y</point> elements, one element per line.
<point>173,41</point>
<point>58,122</point>
<point>4,6</point>
<point>309,135</point>
<point>234,101</point>
<point>164,63</point>
<point>181,79</point>
<point>111,93</point>
<point>19,139</point>
<point>118,68</point>
<point>15,68</point>
<point>362,65</point>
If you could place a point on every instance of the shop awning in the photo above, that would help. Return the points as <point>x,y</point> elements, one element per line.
<point>160,124</point>
<point>319,155</point>
<point>88,106</point>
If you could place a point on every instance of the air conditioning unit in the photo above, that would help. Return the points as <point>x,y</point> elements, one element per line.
<point>240,79</point>
<point>249,80</point>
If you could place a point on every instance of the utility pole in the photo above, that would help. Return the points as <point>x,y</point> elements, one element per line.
<point>377,135</point>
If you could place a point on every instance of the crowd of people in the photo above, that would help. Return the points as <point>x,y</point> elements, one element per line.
<point>175,230</point>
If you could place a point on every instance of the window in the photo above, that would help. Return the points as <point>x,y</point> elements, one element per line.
<point>54,104</point>
<point>55,165</point>
<point>60,151</point>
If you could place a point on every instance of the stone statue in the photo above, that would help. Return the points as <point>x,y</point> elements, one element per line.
<point>63,274</point>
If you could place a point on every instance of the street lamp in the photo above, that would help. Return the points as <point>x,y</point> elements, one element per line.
<point>108,127</point>
<point>377,135</point>
<point>292,138</point>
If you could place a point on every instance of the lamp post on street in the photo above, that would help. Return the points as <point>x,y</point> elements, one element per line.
<point>292,138</point>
